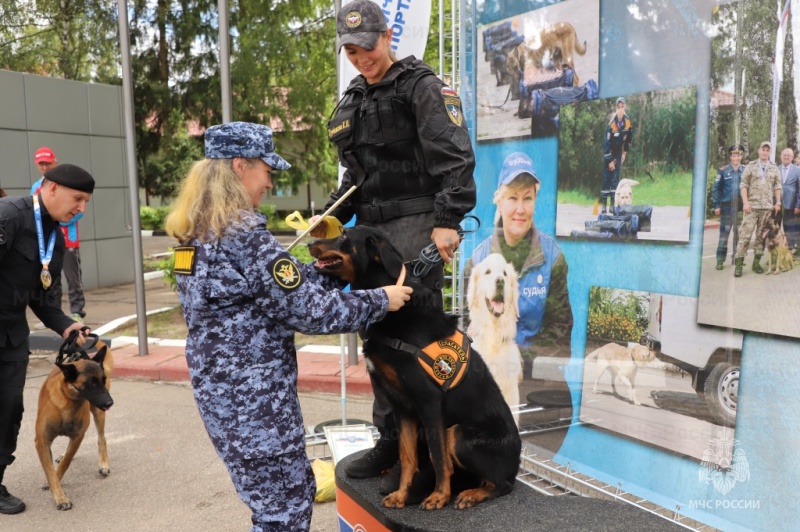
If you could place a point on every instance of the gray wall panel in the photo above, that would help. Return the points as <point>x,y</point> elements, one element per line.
<point>110,214</point>
<point>115,261</point>
<point>108,167</point>
<point>105,110</point>
<point>13,153</point>
<point>12,100</point>
<point>82,123</point>
<point>72,149</point>
<point>56,105</point>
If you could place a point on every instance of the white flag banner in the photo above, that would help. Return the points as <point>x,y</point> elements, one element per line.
<point>795,21</point>
<point>777,75</point>
<point>409,21</point>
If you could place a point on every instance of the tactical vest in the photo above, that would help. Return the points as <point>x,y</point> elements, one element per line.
<point>376,135</point>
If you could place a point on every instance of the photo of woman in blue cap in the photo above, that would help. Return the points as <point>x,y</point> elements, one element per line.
<point>544,308</point>
<point>244,297</point>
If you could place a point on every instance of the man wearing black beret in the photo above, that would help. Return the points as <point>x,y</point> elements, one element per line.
<point>31,257</point>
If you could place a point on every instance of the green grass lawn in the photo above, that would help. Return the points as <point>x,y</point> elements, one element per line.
<point>664,190</point>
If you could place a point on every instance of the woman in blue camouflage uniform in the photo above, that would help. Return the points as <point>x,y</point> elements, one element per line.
<point>244,297</point>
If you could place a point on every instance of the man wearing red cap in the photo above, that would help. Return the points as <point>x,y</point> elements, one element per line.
<point>45,159</point>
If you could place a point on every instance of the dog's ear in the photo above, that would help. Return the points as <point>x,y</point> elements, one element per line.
<point>472,291</point>
<point>100,355</point>
<point>69,370</point>
<point>385,253</point>
<point>514,284</point>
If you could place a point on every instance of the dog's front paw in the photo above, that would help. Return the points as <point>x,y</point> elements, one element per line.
<point>66,505</point>
<point>104,471</point>
<point>469,498</point>
<point>435,501</point>
<point>395,500</point>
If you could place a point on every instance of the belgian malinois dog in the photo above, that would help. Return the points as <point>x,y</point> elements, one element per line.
<point>70,392</point>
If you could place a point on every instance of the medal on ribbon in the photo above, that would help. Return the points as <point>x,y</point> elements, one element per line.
<point>46,278</point>
<point>45,255</point>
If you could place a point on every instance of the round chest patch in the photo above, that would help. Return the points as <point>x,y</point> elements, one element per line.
<point>539,278</point>
<point>444,367</point>
<point>286,274</point>
<point>353,19</point>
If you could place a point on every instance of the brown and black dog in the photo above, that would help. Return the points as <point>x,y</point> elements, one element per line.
<point>779,256</point>
<point>437,385</point>
<point>69,393</point>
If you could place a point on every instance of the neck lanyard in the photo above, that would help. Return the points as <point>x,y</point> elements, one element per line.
<point>44,256</point>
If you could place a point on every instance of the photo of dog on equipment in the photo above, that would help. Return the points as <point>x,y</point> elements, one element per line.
<point>438,384</point>
<point>492,299</point>
<point>78,385</point>
<point>625,167</point>
<point>653,374</point>
<point>776,246</point>
<point>534,63</point>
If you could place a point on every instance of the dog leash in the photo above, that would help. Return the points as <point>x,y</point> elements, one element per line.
<point>70,351</point>
<point>429,255</point>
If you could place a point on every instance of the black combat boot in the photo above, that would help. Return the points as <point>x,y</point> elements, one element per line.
<point>377,460</point>
<point>603,208</point>
<point>8,503</point>
<point>756,266</point>
<point>739,265</point>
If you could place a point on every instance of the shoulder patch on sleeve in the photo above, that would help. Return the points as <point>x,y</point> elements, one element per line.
<point>452,103</point>
<point>285,272</point>
<point>185,259</point>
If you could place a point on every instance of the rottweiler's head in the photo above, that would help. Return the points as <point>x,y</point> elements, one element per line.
<point>362,256</point>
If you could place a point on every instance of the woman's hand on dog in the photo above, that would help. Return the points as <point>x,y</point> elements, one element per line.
<point>398,296</point>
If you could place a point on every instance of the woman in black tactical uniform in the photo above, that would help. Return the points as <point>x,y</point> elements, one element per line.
<point>403,140</point>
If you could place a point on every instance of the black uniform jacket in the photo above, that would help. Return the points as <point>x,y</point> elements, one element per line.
<point>20,268</point>
<point>404,137</point>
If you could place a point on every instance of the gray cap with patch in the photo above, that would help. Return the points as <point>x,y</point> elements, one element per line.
<point>361,23</point>
<point>243,139</point>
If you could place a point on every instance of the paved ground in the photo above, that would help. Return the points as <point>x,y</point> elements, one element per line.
<point>668,224</point>
<point>165,474</point>
<point>752,302</point>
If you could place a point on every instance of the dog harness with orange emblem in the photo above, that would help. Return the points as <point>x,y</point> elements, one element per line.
<point>445,361</point>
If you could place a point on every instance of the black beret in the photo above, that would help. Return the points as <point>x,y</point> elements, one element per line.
<point>71,176</point>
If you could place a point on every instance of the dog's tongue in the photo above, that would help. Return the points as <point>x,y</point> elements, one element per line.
<point>497,306</point>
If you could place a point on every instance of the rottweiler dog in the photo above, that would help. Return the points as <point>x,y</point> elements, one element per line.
<point>779,256</point>
<point>70,392</point>
<point>438,386</point>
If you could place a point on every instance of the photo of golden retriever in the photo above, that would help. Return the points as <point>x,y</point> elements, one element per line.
<point>779,256</point>
<point>624,193</point>
<point>554,47</point>
<point>492,298</point>
<point>623,362</point>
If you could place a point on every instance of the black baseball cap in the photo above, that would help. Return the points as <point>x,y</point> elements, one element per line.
<point>361,23</point>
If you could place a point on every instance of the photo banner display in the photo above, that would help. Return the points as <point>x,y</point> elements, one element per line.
<point>599,129</point>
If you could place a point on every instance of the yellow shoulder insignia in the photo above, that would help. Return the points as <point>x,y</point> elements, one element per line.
<point>184,259</point>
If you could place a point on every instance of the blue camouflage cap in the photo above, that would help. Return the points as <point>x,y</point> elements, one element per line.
<point>243,139</point>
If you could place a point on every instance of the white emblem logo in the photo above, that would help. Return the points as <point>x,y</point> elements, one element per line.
<point>723,464</point>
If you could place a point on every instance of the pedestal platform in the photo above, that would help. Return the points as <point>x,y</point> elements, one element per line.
<point>523,510</point>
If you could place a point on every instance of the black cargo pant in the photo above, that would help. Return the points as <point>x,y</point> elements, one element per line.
<point>13,367</point>
<point>409,234</point>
